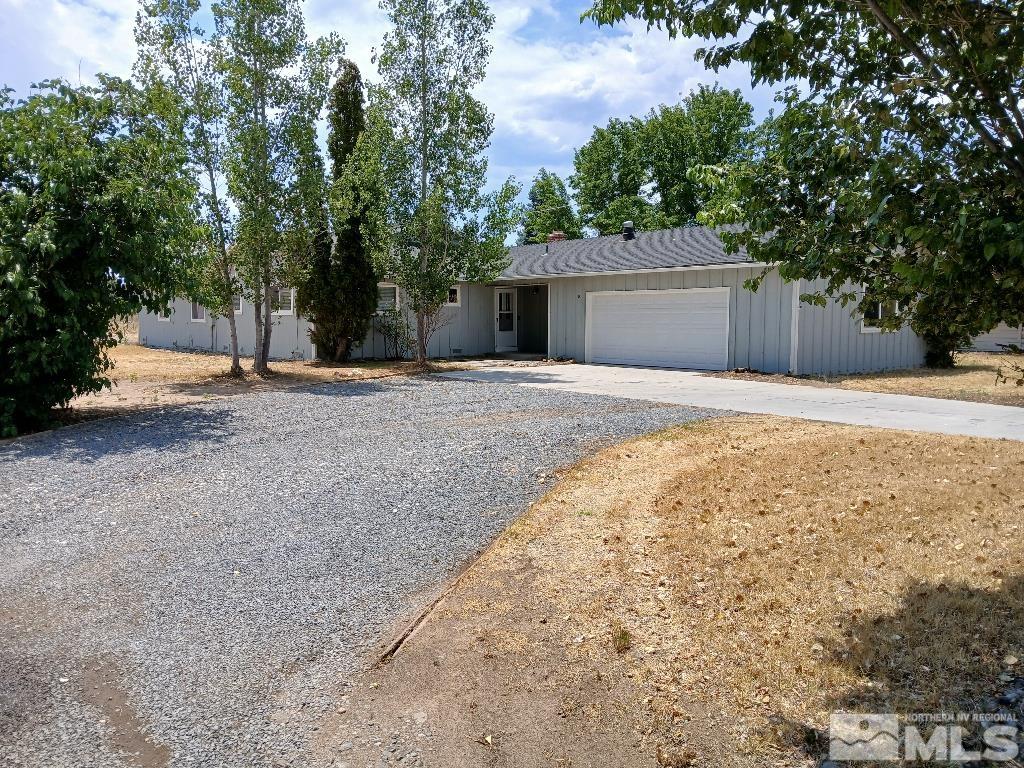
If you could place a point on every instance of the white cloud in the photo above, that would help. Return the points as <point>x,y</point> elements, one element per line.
<point>550,80</point>
<point>71,39</point>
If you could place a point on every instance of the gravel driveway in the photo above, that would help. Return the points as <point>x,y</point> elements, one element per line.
<point>194,586</point>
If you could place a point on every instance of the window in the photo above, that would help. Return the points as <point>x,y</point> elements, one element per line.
<point>876,313</point>
<point>454,296</point>
<point>236,304</point>
<point>164,317</point>
<point>283,300</point>
<point>198,312</point>
<point>387,298</point>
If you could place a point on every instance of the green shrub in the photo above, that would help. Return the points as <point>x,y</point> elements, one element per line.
<point>95,216</point>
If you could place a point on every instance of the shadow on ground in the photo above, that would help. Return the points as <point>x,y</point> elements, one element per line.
<point>158,428</point>
<point>945,652</point>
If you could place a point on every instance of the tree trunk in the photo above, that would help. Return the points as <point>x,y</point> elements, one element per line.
<point>268,318</point>
<point>421,337</point>
<point>258,364</point>
<point>236,365</point>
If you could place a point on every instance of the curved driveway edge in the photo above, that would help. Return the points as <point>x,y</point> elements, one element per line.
<point>842,406</point>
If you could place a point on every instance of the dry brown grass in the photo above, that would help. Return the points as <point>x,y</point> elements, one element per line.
<point>145,378</point>
<point>973,378</point>
<point>137,363</point>
<point>765,572</point>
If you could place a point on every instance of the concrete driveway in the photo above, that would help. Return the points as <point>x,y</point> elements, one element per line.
<point>843,406</point>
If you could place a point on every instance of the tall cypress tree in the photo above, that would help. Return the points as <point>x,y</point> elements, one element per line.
<point>338,292</point>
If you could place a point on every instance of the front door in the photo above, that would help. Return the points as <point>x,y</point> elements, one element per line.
<point>506,338</point>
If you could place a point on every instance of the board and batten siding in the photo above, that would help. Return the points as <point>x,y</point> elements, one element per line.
<point>996,339</point>
<point>831,341</point>
<point>468,327</point>
<point>289,339</point>
<point>469,330</point>
<point>759,323</point>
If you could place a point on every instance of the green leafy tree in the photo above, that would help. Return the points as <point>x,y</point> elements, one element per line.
<point>96,222</point>
<point>175,54</point>
<point>276,82</point>
<point>338,288</point>
<point>710,127</point>
<point>549,210</point>
<point>901,167</point>
<point>425,156</point>
<point>611,176</point>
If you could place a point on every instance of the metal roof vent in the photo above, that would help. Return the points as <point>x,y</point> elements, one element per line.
<point>628,230</point>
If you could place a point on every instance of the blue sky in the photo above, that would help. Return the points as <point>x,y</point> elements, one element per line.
<point>551,79</point>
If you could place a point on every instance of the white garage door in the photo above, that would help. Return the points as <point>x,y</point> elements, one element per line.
<point>686,328</point>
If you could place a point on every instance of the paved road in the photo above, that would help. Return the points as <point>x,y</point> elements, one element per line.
<point>844,406</point>
<point>193,587</point>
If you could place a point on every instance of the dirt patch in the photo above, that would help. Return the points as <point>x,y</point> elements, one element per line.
<point>146,378</point>
<point>973,379</point>
<point>101,688</point>
<point>707,596</point>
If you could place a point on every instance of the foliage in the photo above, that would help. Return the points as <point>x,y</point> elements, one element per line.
<point>710,127</point>
<point>175,55</point>
<point>337,289</point>
<point>393,326</point>
<point>549,210</point>
<point>424,155</point>
<point>276,83</point>
<point>901,166</point>
<point>1013,372</point>
<point>610,175</point>
<point>639,169</point>
<point>96,222</point>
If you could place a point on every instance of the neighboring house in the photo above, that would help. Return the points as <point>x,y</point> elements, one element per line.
<point>998,338</point>
<point>670,298</point>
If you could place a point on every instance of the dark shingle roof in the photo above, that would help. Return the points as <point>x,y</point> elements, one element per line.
<point>661,249</point>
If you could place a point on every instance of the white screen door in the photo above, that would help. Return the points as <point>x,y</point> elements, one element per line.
<point>506,338</point>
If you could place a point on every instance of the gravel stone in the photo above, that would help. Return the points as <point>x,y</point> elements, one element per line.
<point>230,566</point>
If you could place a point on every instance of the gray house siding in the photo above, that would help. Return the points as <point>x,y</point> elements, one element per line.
<point>759,323</point>
<point>468,330</point>
<point>994,340</point>
<point>288,340</point>
<point>831,341</point>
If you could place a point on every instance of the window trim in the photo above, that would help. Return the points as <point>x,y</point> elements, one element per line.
<point>398,300</point>
<point>198,319</point>
<point>291,308</point>
<point>458,296</point>
<point>865,328</point>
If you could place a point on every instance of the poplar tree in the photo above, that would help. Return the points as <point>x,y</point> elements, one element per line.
<point>276,83</point>
<point>175,54</point>
<point>430,132</point>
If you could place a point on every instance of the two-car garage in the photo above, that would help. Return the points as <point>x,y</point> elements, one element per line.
<point>684,328</point>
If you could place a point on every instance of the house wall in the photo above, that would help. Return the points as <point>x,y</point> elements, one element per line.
<point>832,341</point>
<point>1001,334</point>
<point>288,340</point>
<point>759,323</point>
<point>469,330</point>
